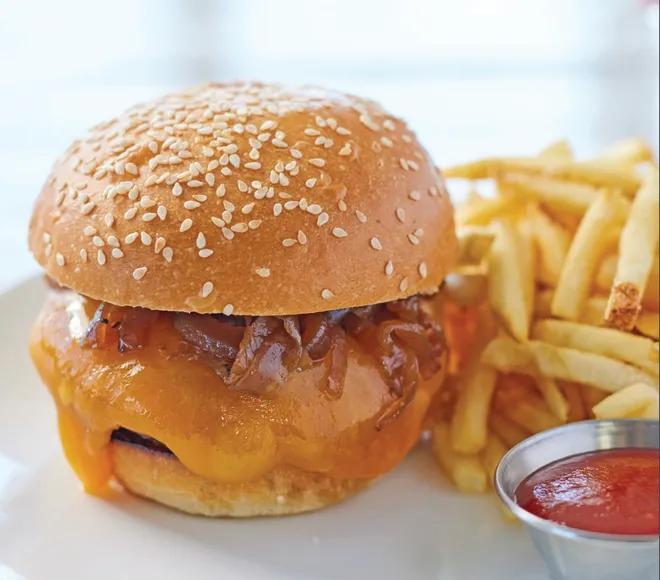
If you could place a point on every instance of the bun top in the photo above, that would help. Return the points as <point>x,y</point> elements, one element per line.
<point>249,199</point>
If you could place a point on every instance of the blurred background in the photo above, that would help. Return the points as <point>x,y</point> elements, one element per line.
<point>472,77</point>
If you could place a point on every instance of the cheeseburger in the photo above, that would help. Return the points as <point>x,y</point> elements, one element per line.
<point>238,321</point>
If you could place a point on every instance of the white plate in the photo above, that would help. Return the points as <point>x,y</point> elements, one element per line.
<point>411,525</point>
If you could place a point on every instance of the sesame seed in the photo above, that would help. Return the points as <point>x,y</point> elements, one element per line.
<point>206,290</point>
<point>239,228</point>
<point>388,125</point>
<point>210,179</point>
<point>168,254</point>
<point>322,219</point>
<point>317,162</point>
<point>341,204</point>
<point>360,216</point>
<point>59,258</point>
<point>419,232</point>
<point>195,183</point>
<point>274,177</point>
<point>254,224</point>
<point>263,272</point>
<point>302,238</point>
<point>422,269</point>
<point>130,238</point>
<point>319,140</point>
<point>312,132</point>
<point>113,241</point>
<point>277,209</point>
<point>413,165</point>
<point>117,253</point>
<point>311,182</point>
<point>159,245</point>
<point>220,192</point>
<point>139,273</point>
<point>291,205</point>
<point>131,168</point>
<point>226,171</point>
<point>343,131</point>
<point>345,150</point>
<point>218,222</point>
<point>413,239</point>
<point>406,139</point>
<point>88,231</point>
<point>131,213</point>
<point>46,238</point>
<point>226,216</point>
<point>339,233</point>
<point>289,242</point>
<point>403,286</point>
<point>201,240</point>
<point>320,121</point>
<point>151,180</point>
<point>147,217</point>
<point>100,257</point>
<point>404,164</point>
<point>267,125</point>
<point>414,195</point>
<point>145,238</point>
<point>83,255</point>
<point>433,191</point>
<point>87,208</point>
<point>227,310</point>
<point>314,209</point>
<point>186,225</point>
<point>228,233</point>
<point>97,241</point>
<point>49,250</point>
<point>375,244</point>
<point>327,294</point>
<point>146,202</point>
<point>389,268</point>
<point>191,204</point>
<point>302,204</point>
<point>279,143</point>
<point>387,142</point>
<point>295,153</point>
<point>205,253</point>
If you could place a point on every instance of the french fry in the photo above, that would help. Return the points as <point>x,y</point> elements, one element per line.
<point>593,311</point>
<point>650,412</point>
<point>482,211</point>
<point>592,173</point>
<point>638,244</point>
<point>469,424</point>
<point>557,151</point>
<point>509,286</point>
<point>564,364</point>
<point>528,412</point>
<point>605,341</point>
<point>561,196</point>
<point>492,454</point>
<point>653,353</point>
<point>628,152</point>
<point>576,407</point>
<point>474,243</point>
<point>553,397</point>
<point>648,323</point>
<point>510,433</point>
<point>605,280</point>
<point>591,396</point>
<point>466,471</point>
<point>552,242</point>
<point>628,402</point>
<point>583,257</point>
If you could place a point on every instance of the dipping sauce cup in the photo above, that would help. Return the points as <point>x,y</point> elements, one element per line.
<point>573,554</point>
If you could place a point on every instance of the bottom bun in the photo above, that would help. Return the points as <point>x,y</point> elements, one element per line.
<point>163,479</point>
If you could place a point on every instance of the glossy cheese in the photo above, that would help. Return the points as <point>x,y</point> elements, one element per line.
<point>215,432</point>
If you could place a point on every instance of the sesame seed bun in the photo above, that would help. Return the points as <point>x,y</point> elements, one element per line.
<point>246,199</point>
<point>286,490</point>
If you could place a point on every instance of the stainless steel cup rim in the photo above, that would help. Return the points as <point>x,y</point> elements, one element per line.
<point>551,527</point>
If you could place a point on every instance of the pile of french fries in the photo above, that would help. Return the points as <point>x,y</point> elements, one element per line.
<point>559,271</point>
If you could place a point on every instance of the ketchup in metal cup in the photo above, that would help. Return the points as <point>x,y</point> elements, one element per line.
<point>613,491</point>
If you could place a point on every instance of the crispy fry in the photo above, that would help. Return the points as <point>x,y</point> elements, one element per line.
<point>629,402</point>
<point>592,312</point>
<point>508,266</point>
<point>576,407</point>
<point>638,244</point>
<point>583,257</point>
<point>492,454</point>
<point>482,211</point>
<point>553,397</point>
<point>510,433</point>
<point>474,243</point>
<point>565,364</point>
<point>592,173</point>
<point>466,471</point>
<point>650,412</point>
<point>648,323</point>
<point>557,151</point>
<point>469,425</point>
<point>591,397</point>
<point>552,242</point>
<point>605,280</point>
<point>528,412</point>
<point>561,196</point>
<point>605,341</point>
<point>653,353</point>
<point>628,152</point>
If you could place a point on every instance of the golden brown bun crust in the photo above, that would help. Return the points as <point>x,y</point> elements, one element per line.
<point>284,491</point>
<point>104,227</point>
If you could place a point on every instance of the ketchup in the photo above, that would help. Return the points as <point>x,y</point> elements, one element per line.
<point>611,492</point>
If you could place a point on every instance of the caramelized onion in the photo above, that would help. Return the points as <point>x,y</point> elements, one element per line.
<point>215,337</point>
